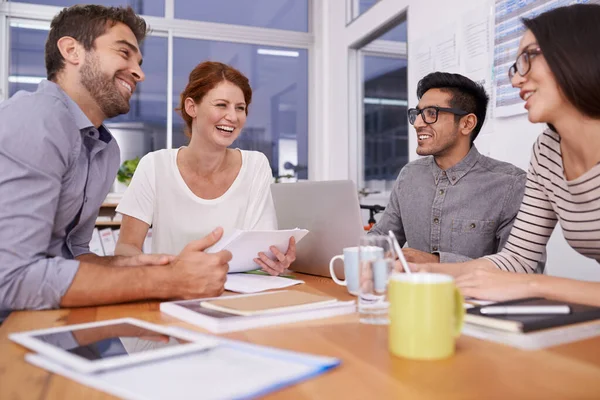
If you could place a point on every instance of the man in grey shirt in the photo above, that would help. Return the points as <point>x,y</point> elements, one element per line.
<point>57,163</point>
<point>455,204</point>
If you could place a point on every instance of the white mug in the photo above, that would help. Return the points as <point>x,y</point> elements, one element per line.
<point>350,259</point>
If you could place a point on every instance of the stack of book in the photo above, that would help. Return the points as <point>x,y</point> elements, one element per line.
<point>240,312</point>
<point>532,323</point>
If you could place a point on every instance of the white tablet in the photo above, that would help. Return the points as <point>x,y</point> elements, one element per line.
<point>99,346</point>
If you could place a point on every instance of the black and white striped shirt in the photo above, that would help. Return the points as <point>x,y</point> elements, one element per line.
<point>549,198</point>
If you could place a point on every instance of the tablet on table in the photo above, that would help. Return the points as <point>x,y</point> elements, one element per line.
<point>105,345</point>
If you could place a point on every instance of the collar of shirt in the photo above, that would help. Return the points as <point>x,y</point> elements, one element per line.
<point>83,123</point>
<point>459,170</point>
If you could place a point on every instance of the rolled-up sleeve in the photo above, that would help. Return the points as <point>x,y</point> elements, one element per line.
<point>36,149</point>
<point>80,242</point>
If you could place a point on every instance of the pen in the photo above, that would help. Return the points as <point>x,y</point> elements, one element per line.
<point>399,252</point>
<point>531,310</point>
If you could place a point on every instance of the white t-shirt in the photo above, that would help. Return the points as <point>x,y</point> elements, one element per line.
<point>159,196</point>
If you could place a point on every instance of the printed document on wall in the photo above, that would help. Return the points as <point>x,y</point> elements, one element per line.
<point>445,50</point>
<point>424,64</point>
<point>476,48</point>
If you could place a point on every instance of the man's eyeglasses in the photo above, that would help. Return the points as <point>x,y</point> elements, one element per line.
<point>430,114</point>
<point>523,63</point>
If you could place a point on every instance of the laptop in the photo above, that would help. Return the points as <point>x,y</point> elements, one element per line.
<point>331,213</point>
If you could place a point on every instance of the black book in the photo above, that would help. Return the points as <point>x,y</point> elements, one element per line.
<point>531,322</point>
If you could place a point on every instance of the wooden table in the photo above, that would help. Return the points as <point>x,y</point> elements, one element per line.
<point>479,370</point>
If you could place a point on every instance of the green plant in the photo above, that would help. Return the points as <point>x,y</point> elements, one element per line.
<point>127,169</point>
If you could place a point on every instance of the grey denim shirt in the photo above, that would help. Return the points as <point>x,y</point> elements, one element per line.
<point>462,213</point>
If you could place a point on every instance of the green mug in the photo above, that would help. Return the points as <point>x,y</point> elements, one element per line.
<point>426,315</point>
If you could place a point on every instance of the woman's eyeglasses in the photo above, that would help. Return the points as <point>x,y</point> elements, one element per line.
<point>523,63</point>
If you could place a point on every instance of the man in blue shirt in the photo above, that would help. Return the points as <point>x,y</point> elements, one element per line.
<point>57,163</point>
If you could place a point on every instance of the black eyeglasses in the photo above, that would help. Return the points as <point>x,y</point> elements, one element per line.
<point>430,114</point>
<point>523,63</point>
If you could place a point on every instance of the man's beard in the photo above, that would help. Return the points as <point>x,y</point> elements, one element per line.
<point>102,88</point>
<point>442,145</point>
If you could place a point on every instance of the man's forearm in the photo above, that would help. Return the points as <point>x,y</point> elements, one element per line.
<point>96,284</point>
<point>92,258</point>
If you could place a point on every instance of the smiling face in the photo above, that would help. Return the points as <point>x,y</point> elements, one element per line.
<point>441,137</point>
<point>112,70</point>
<point>538,88</point>
<point>220,115</point>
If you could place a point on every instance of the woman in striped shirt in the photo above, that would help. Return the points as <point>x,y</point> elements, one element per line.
<point>558,73</point>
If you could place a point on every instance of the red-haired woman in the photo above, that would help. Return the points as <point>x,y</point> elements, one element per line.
<point>186,193</point>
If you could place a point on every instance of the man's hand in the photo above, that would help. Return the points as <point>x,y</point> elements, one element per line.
<point>281,262</point>
<point>420,257</point>
<point>489,283</point>
<point>195,273</point>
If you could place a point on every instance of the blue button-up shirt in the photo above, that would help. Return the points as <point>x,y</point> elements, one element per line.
<point>55,171</point>
<point>462,213</point>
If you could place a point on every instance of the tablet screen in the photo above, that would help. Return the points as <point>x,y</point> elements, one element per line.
<point>108,341</point>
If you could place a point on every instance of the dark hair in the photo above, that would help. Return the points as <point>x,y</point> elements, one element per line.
<point>203,79</point>
<point>85,23</point>
<point>467,95</point>
<point>570,41</point>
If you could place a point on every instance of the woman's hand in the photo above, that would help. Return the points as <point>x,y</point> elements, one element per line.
<point>281,262</point>
<point>490,283</point>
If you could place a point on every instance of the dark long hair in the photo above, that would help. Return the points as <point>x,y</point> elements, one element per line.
<point>570,41</point>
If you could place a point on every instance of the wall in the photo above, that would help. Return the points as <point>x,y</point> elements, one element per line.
<point>511,139</point>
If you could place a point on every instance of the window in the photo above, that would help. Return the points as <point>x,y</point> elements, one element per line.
<point>26,68</point>
<point>144,128</point>
<point>385,123</point>
<point>140,131</point>
<point>358,7</point>
<point>380,126</point>
<point>277,123</point>
<point>276,14</point>
<point>146,7</point>
<point>275,63</point>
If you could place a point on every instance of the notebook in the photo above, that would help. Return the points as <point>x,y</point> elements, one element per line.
<point>530,323</point>
<point>269,303</point>
<point>245,246</point>
<point>194,312</point>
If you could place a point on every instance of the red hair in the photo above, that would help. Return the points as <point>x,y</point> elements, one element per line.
<point>203,78</point>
